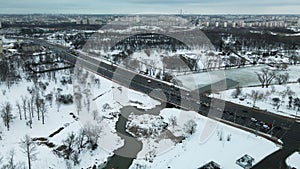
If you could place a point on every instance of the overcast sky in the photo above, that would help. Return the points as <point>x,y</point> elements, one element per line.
<point>151,6</point>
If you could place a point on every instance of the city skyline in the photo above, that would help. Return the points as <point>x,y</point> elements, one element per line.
<point>150,7</point>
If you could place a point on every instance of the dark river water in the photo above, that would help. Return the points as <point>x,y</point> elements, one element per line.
<point>123,157</point>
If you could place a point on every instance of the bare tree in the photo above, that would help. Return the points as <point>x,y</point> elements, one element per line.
<point>70,145</point>
<point>73,150</point>
<point>30,114</point>
<point>237,92</point>
<point>95,114</point>
<point>31,107</point>
<point>88,104</point>
<point>256,95</point>
<point>93,133</point>
<point>78,98</point>
<point>38,101</point>
<point>266,76</point>
<point>24,106</point>
<point>11,161</point>
<point>173,121</point>
<point>29,148</point>
<point>6,114</point>
<point>297,104</point>
<point>80,138</point>
<point>19,107</point>
<point>43,110</point>
<point>282,78</point>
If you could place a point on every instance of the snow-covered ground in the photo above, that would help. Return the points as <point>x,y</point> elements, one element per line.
<point>245,76</point>
<point>212,141</point>
<point>294,160</point>
<point>285,93</point>
<point>58,115</point>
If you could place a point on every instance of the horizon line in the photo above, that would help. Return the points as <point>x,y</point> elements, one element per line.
<point>37,13</point>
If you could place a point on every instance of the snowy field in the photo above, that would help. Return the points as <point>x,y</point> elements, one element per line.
<point>279,99</point>
<point>294,160</point>
<point>58,116</point>
<point>212,141</point>
<point>244,76</point>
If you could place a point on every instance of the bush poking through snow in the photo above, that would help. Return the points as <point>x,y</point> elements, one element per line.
<point>190,127</point>
<point>236,92</point>
<point>173,121</point>
<point>145,125</point>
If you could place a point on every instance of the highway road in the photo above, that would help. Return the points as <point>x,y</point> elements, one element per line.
<point>256,121</point>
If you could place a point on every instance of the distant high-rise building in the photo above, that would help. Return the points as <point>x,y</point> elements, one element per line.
<point>225,24</point>
<point>207,24</point>
<point>0,25</point>
<point>233,24</point>
<point>298,22</point>
<point>217,24</point>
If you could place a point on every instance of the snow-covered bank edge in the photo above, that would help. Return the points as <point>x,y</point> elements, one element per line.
<point>224,145</point>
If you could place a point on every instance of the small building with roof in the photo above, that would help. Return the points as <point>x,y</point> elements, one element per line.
<point>246,161</point>
<point>211,165</point>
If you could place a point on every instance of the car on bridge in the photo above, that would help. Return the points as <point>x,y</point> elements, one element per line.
<point>205,104</point>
